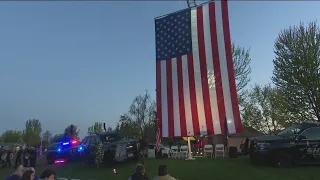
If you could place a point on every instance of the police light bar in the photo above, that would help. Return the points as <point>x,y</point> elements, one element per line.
<point>65,143</point>
<point>74,142</point>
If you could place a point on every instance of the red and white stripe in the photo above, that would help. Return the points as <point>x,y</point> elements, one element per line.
<point>197,92</point>
<point>158,140</point>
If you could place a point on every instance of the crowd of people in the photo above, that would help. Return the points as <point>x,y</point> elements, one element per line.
<point>140,173</point>
<point>29,173</point>
<point>26,155</point>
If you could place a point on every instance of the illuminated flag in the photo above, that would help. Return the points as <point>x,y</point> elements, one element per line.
<point>158,140</point>
<point>196,89</point>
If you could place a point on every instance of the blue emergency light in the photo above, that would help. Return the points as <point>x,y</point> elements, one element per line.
<point>80,149</point>
<point>65,143</point>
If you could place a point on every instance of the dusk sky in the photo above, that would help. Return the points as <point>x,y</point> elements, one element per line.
<point>80,62</point>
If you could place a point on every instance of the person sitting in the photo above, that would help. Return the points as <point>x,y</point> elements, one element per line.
<point>163,174</point>
<point>16,175</point>
<point>140,173</point>
<point>35,176</point>
<point>47,175</point>
<point>28,175</point>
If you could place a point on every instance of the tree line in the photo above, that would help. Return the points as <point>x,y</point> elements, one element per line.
<point>291,96</point>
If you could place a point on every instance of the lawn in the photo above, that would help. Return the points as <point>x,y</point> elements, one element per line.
<point>200,169</point>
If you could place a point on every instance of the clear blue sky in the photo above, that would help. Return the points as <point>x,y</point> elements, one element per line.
<point>80,62</point>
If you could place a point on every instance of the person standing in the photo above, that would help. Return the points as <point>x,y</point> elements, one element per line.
<point>8,159</point>
<point>26,156</point>
<point>1,159</point>
<point>33,157</point>
<point>246,146</point>
<point>18,157</point>
<point>4,158</point>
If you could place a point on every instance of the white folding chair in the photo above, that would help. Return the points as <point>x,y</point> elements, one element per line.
<point>208,150</point>
<point>183,152</point>
<point>219,150</point>
<point>174,151</point>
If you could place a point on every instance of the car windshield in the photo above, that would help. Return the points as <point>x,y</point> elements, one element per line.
<point>109,137</point>
<point>54,146</point>
<point>291,131</point>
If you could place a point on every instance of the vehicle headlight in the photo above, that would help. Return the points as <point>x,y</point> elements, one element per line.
<point>263,146</point>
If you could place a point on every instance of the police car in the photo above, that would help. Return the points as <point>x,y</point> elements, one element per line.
<point>297,144</point>
<point>62,152</point>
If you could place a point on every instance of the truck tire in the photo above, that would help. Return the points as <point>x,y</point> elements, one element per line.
<point>282,160</point>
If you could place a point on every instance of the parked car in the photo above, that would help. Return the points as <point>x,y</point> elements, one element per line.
<point>297,144</point>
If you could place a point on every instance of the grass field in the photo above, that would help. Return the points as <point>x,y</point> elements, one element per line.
<point>200,169</point>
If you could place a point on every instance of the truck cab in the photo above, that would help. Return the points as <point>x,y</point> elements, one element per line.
<point>297,144</point>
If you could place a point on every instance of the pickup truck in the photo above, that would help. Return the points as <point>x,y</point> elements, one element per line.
<point>112,144</point>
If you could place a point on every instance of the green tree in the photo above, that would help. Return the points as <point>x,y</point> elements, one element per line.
<point>71,131</point>
<point>296,71</point>
<point>109,129</point>
<point>11,136</point>
<point>128,128</point>
<point>47,136</point>
<point>262,110</point>
<point>242,70</point>
<point>97,127</point>
<point>140,117</point>
<point>32,132</point>
<point>117,129</point>
<point>58,138</point>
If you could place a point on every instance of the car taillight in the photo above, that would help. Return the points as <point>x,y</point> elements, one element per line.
<point>59,161</point>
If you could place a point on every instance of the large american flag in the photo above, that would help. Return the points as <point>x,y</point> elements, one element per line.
<point>196,89</point>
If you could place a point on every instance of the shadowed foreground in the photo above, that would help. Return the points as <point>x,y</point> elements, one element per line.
<point>200,169</point>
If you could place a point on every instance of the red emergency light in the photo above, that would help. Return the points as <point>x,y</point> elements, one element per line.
<point>59,161</point>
